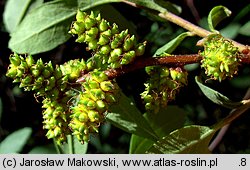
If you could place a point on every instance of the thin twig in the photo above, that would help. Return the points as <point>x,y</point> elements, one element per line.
<point>187,25</point>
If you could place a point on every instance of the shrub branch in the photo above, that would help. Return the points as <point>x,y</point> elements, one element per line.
<point>187,25</point>
<point>173,61</point>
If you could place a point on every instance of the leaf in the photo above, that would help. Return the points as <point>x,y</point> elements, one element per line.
<point>169,6</point>
<point>216,97</point>
<point>164,122</point>
<point>243,12</point>
<point>192,139</point>
<point>44,28</point>
<point>151,4</point>
<point>14,12</point>
<point>47,26</point>
<point>15,142</point>
<point>127,117</point>
<point>78,147</point>
<point>47,149</point>
<point>87,4</point>
<point>231,31</point>
<point>108,12</point>
<point>216,15</point>
<point>244,30</point>
<point>73,146</point>
<point>171,46</point>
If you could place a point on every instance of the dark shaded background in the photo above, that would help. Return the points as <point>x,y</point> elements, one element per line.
<point>20,109</point>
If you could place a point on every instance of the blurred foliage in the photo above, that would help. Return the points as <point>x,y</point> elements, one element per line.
<point>19,109</point>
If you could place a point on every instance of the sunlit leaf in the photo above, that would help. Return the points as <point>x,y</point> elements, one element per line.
<point>47,26</point>
<point>14,12</point>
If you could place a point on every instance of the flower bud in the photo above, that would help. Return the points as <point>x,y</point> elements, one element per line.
<point>12,72</point>
<point>80,15</point>
<point>29,60</point>
<point>92,45</point>
<point>114,29</point>
<point>105,50</point>
<point>81,38</point>
<point>140,49</point>
<point>89,22</point>
<point>79,27</point>
<point>83,117</point>
<point>97,94</point>
<point>103,40</point>
<point>15,59</point>
<point>128,57</point>
<point>129,43</point>
<point>93,116</point>
<point>104,25</point>
<point>51,82</point>
<point>107,86</point>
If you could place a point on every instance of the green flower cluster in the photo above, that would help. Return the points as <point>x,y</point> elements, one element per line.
<point>50,83</point>
<point>220,57</point>
<point>162,86</point>
<point>69,107</point>
<point>112,48</point>
<point>42,78</point>
<point>92,104</point>
<point>56,118</point>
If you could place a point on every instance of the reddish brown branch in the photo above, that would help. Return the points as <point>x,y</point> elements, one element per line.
<point>173,60</point>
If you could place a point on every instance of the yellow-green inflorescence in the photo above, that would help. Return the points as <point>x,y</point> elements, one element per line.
<point>71,106</point>
<point>220,57</point>
<point>111,48</point>
<point>162,86</point>
<point>92,104</point>
<point>50,83</point>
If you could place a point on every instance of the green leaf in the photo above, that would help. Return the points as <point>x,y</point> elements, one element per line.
<point>192,139</point>
<point>216,15</point>
<point>44,28</point>
<point>108,12</point>
<point>14,12</point>
<point>47,149</point>
<point>216,97</point>
<point>164,122</point>
<point>151,4</point>
<point>73,146</point>
<point>243,12</point>
<point>47,26</point>
<point>231,31</point>
<point>15,142</point>
<point>169,6</point>
<point>126,116</point>
<point>87,4</point>
<point>34,4</point>
<point>245,29</point>
<point>171,46</point>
